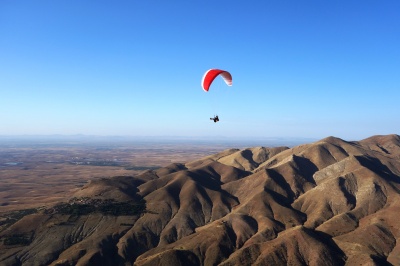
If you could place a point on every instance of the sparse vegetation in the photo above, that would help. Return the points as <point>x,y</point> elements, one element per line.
<point>122,208</point>
<point>17,239</point>
<point>74,209</point>
<point>85,206</point>
<point>126,224</point>
<point>142,168</point>
<point>12,217</point>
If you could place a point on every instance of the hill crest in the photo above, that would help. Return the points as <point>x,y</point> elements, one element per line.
<point>310,204</point>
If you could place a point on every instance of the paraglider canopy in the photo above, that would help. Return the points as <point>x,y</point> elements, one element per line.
<point>211,74</point>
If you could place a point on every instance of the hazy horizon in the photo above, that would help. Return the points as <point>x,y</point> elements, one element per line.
<point>150,141</point>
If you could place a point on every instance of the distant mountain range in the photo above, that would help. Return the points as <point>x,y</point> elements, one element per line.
<point>330,202</point>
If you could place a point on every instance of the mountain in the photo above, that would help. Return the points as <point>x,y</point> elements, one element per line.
<point>331,202</point>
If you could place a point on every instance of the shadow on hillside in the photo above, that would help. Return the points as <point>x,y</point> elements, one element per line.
<point>338,254</point>
<point>351,199</point>
<point>380,260</point>
<point>248,155</point>
<point>281,181</point>
<point>306,168</point>
<point>378,167</point>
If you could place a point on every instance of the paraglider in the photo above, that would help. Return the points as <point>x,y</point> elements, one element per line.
<point>211,74</point>
<point>208,79</point>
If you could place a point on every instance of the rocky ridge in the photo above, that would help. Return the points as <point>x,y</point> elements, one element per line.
<point>331,202</point>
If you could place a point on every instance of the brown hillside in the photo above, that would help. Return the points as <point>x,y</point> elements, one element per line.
<point>331,202</point>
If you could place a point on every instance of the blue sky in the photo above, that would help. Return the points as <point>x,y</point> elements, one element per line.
<point>308,69</point>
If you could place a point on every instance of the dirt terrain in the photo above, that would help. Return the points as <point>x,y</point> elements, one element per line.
<point>35,173</point>
<point>330,202</point>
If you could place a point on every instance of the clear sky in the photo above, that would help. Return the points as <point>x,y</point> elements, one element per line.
<point>307,69</point>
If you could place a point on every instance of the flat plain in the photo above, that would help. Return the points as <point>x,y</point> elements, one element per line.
<point>39,172</point>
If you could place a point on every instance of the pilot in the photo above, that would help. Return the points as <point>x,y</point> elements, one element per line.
<point>215,119</point>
